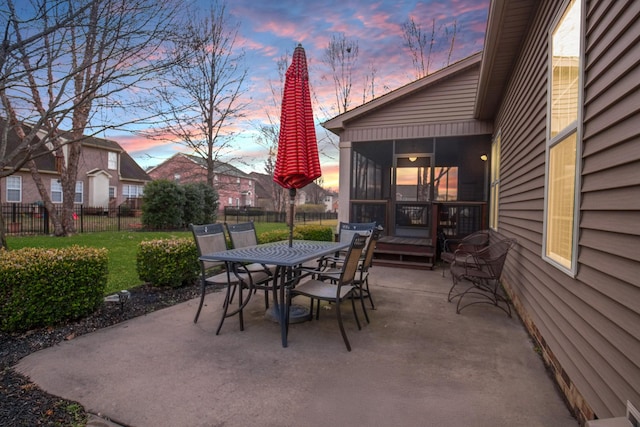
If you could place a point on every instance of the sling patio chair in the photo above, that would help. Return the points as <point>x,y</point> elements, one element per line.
<point>346,231</point>
<point>210,238</point>
<point>362,277</point>
<point>482,270</point>
<point>469,244</point>
<point>242,235</point>
<point>343,289</point>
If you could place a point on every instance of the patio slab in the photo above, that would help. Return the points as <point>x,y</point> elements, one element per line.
<point>416,363</point>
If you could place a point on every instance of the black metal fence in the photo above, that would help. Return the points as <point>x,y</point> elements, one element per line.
<point>33,219</point>
<point>233,214</point>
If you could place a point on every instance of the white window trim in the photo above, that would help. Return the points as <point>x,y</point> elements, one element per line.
<point>7,188</point>
<point>560,137</point>
<point>53,182</point>
<point>495,183</point>
<point>81,185</point>
<point>112,160</point>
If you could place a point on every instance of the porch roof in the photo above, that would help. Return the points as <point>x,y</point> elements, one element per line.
<point>506,28</point>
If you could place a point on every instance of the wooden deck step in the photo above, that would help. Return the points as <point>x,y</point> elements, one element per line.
<point>404,252</point>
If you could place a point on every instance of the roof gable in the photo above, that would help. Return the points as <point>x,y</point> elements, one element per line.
<point>417,93</point>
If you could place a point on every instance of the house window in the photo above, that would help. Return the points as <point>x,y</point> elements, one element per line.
<point>132,191</point>
<point>112,161</point>
<point>495,183</point>
<point>56,191</point>
<point>563,148</point>
<point>79,192</point>
<point>14,189</point>
<point>112,192</point>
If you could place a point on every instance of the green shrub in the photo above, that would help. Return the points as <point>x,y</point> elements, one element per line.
<point>315,232</point>
<point>163,205</point>
<point>277,235</point>
<point>43,287</point>
<point>167,262</point>
<point>311,208</point>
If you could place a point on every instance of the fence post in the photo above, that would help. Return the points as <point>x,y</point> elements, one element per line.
<point>45,220</point>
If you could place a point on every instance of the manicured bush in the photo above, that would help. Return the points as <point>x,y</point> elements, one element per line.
<point>43,287</point>
<point>311,208</point>
<point>167,262</point>
<point>315,232</point>
<point>277,235</point>
<point>163,205</point>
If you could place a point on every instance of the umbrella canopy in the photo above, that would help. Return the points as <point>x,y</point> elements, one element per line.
<point>297,163</point>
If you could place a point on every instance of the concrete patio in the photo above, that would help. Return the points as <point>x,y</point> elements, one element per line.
<point>417,363</point>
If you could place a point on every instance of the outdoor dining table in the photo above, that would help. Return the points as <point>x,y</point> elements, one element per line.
<point>287,258</point>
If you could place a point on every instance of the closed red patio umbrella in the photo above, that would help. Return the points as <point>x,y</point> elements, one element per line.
<point>297,162</point>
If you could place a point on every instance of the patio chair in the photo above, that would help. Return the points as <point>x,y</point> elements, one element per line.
<point>469,244</point>
<point>482,269</point>
<point>210,238</point>
<point>362,277</point>
<point>343,289</point>
<point>242,235</point>
<point>346,231</point>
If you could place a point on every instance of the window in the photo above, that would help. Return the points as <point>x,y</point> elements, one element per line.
<point>495,183</point>
<point>112,161</point>
<point>132,191</point>
<point>563,148</point>
<point>56,191</point>
<point>112,192</point>
<point>14,189</point>
<point>79,192</point>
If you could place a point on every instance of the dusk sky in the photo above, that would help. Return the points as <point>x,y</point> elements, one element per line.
<point>270,29</point>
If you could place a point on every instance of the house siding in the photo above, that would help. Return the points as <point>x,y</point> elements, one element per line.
<point>588,326</point>
<point>234,185</point>
<point>445,109</point>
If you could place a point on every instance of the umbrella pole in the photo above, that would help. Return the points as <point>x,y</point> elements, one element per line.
<point>292,198</point>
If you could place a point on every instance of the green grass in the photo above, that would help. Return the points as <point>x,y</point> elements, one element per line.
<point>122,247</point>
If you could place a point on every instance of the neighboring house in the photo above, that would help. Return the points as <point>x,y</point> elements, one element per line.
<point>235,188</point>
<point>107,176</point>
<point>559,91</point>
<point>310,193</point>
<point>330,200</point>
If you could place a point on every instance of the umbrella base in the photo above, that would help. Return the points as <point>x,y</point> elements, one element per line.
<point>297,314</point>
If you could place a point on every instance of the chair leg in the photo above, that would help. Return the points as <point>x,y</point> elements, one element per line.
<point>368,295</point>
<point>342,331</point>
<point>225,307</point>
<point>202,293</point>
<point>355,313</point>
<point>364,309</point>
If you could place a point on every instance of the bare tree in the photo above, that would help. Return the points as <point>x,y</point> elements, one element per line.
<point>61,61</point>
<point>204,96</point>
<point>369,86</point>
<point>422,45</point>
<point>269,133</point>
<point>341,55</point>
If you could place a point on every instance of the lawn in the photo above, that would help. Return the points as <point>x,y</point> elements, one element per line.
<point>122,247</point>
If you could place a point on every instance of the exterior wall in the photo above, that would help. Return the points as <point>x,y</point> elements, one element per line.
<point>443,109</point>
<point>239,189</point>
<point>588,327</point>
<point>94,162</point>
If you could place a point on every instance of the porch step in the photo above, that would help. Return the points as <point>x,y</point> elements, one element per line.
<point>409,253</point>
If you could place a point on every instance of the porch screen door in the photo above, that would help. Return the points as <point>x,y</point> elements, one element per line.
<point>412,195</point>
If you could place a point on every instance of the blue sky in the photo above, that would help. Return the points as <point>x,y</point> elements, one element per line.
<point>270,29</point>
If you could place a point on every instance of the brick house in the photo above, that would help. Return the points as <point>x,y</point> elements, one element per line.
<point>235,188</point>
<point>107,176</point>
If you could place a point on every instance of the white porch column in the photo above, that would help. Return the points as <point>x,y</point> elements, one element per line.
<point>344,181</point>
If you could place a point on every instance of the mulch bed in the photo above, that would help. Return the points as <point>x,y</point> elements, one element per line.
<point>22,403</point>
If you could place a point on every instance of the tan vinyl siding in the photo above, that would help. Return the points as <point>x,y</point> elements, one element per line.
<point>590,323</point>
<point>449,101</point>
<point>445,109</point>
